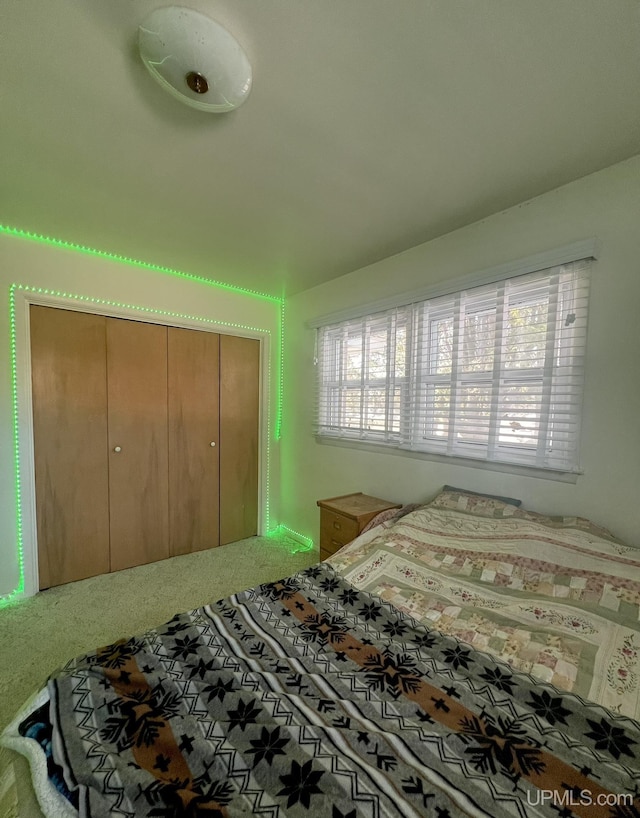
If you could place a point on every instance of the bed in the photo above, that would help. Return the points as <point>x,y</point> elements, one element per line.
<point>465,657</point>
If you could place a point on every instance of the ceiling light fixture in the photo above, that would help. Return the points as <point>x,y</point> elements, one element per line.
<point>195,59</point>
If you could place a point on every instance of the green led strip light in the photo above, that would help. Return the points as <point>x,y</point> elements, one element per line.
<point>282,532</point>
<point>122,305</point>
<point>67,245</point>
<point>281,381</point>
<point>267,479</point>
<point>19,590</point>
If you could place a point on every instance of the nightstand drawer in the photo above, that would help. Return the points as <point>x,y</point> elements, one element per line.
<point>336,530</point>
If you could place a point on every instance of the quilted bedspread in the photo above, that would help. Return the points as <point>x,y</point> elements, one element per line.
<point>557,598</point>
<point>309,697</point>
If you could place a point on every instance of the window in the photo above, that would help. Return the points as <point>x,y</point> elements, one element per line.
<point>493,372</point>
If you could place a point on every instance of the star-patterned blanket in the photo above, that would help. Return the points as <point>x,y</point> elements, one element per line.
<point>309,697</point>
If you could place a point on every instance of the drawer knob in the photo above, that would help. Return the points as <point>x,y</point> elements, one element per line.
<point>337,525</point>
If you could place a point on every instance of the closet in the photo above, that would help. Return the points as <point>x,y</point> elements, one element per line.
<point>145,441</point>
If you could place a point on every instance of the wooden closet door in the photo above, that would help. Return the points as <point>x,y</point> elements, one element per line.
<point>239,437</point>
<point>69,382</point>
<point>138,460</point>
<point>194,428</point>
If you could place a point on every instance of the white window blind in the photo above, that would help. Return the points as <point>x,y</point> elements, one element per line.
<point>492,373</point>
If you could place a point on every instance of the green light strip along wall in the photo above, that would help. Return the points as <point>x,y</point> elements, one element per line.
<point>79,248</point>
<point>283,532</point>
<point>268,474</point>
<point>19,590</point>
<point>281,379</point>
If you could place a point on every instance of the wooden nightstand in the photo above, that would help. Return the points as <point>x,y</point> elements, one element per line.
<point>343,518</point>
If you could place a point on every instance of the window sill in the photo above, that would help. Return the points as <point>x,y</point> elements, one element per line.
<point>468,462</point>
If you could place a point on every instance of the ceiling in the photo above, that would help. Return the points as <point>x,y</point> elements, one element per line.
<point>372,126</point>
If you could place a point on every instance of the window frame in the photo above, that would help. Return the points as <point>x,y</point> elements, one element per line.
<point>552,448</point>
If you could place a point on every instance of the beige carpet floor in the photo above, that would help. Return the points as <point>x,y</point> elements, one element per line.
<point>39,634</point>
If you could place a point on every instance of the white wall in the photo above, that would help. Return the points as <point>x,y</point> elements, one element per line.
<point>605,205</point>
<point>35,264</point>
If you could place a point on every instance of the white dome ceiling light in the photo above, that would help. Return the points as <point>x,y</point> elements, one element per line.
<point>195,59</point>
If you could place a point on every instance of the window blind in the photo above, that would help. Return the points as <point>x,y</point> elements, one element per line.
<point>493,372</point>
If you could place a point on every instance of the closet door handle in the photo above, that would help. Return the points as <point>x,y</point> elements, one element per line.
<point>213,443</point>
<point>117,449</point>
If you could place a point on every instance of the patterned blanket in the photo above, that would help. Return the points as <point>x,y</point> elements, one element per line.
<point>558,598</point>
<point>308,697</point>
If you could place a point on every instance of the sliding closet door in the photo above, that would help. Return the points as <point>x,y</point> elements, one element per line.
<point>69,381</point>
<point>146,441</point>
<point>138,460</point>
<point>239,437</point>
<point>194,430</point>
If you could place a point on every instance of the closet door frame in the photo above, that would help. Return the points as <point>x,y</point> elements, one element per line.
<point>27,485</point>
